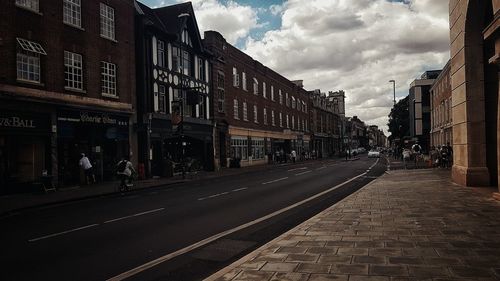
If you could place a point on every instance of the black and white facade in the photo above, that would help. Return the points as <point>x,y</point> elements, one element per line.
<point>173,79</point>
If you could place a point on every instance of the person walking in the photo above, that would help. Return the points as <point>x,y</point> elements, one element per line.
<point>293,155</point>
<point>124,171</point>
<point>87,169</point>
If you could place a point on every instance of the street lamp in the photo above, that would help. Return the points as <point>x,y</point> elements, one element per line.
<point>182,21</point>
<point>393,89</point>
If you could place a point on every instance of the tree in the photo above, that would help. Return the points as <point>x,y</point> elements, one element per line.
<point>399,120</point>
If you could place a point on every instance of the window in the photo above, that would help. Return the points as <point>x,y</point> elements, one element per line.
<point>294,103</point>
<point>108,78</point>
<point>272,93</point>
<point>107,22</point>
<point>244,81</point>
<point>245,112</point>
<point>28,60</point>
<point>236,78</point>
<point>255,86</point>
<point>281,120</point>
<point>257,148</point>
<point>161,99</point>
<point>29,4</point>
<point>201,69</point>
<point>186,63</point>
<point>255,115</point>
<point>72,12</point>
<point>280,96</point>
<point>264,92</point>
<point>73,71</point>
<point>265,116</point>
<point>160,51</point>
<point>293,122</point>
<point>235,109</point>
<point>239,147</point>
<point>220,91</point>
<point>287,101</point>
<point>287,123</point>
<point>176,60</point>
<point>272,118</point>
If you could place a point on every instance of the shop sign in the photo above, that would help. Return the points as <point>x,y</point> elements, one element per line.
<point>22,121</point>
<point>98,118</point>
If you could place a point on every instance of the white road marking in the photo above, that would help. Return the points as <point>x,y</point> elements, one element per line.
<point>320,168</point>
<point>280,179</point>
<point>222,193</point>
<point>303,173</point>
<point>239,189</point>
<point>296,169</point>
<point>203,242</point>
<point>63,232</point>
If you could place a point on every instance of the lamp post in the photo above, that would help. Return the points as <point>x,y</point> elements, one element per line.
<point>182,21</point>
<point>393,89</point>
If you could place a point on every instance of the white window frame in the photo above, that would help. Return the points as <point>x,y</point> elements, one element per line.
<point>281,120</point>
<point>73,71</point>
<point>265,116</point>
<point>280,96</point>
<point>72,12</point>
<point>255,86</point>
<point>287,100</point>
<point>28,66</point>
<point>236,114</point>
<point>239,147</point>
<point>32,5</point>
<point>108,79</point>
<point>273,121</point>
<point>160,53</point>
<point>244,81</point>
<point>264,92</point>
<point>245,111</point>
<point>257,148</point>
<point>107,15</point>
<point>272,92</point>
<point>236,78</point>
<point>287,121</point>
<point>255,114</point>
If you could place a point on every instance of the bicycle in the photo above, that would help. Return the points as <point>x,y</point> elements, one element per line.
<point>125,183</point>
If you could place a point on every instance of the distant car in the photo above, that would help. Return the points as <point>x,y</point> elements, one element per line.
<point>373,154</point>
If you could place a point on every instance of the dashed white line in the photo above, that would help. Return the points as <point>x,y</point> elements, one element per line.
<point>63,232</point>
<point>320,168</point>
<point>135,215</point>
<point>280,179</point>
<point>303,173</point>
<point>239,189</point>
<point>296,169</point>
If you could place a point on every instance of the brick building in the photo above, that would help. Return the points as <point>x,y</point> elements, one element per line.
<point>258,114</point>
<point>325,123</point>
<point>441,117</point>
<point>173,80</point>
<point>66,87</point>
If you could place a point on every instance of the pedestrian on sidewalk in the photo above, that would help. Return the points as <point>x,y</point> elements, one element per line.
<point>87,169</point>
<point>293,155</point>
<point>406,157</point>
<point>125,169</point>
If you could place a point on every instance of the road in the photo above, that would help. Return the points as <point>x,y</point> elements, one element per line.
<point>107,237</point>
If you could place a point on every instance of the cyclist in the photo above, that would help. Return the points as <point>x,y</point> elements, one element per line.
<point>416,151</point>
<point>124,171</point>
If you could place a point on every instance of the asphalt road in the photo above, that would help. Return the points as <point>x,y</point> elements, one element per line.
<point>102,238</point>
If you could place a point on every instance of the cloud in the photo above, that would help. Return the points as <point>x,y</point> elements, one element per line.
<point>357,46</point>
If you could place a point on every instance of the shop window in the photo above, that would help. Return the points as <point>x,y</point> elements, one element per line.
<point>107,22</point>
<point>108,79</point>
<point>73,71</point>
<point>239,148</point>
<point>257,148</point>
<point>72,12</point>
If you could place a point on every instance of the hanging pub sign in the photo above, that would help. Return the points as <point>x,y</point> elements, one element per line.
<point>21,121</point>
<point>93,118</point>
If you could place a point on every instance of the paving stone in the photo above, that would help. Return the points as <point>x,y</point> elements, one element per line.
<point>313,268</point>
<point>395,252</point>
<point>327,277</point>
<point>253,275</point>
<point>322,250</point>
<point>399,244</point>
<point>340,244</point>
<point>355,238</point>
<point>368,244</point>
<point>424,252</point>
<point>270,257</point>
<point>464,244</point>
<point>469,272</point>
<point>389,270</point>
<point>352,251</point>
<point>453,253</point>
<point>443,261</point>
<point>290,276</point>
<point>369,259</point>
<point>253,265</point>
<point>428,271</point>
<point>358,269</point>
<point>229,275</point>
<point>405,260</point>
<point>292,250</point>
<point>301,258</point>
<point>279,266</point>
<point>327,259</point>
<point>368,278</point>
<point>311,244</point>
<point>435,245</point>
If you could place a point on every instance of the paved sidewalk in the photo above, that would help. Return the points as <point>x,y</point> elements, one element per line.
<point>16,202</point>
<point>406,225</point>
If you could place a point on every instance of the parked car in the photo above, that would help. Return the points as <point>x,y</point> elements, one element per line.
<point>373,154</point>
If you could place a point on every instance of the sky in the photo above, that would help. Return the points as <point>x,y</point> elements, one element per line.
<point>351,45</point>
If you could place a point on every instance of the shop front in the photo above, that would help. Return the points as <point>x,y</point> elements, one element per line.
<point>103,137</point>
<point>24,149</point>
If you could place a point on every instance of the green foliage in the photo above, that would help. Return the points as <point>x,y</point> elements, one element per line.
<point>399,120</point>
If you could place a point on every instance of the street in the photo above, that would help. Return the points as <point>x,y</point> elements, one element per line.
<point>118,236</point>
